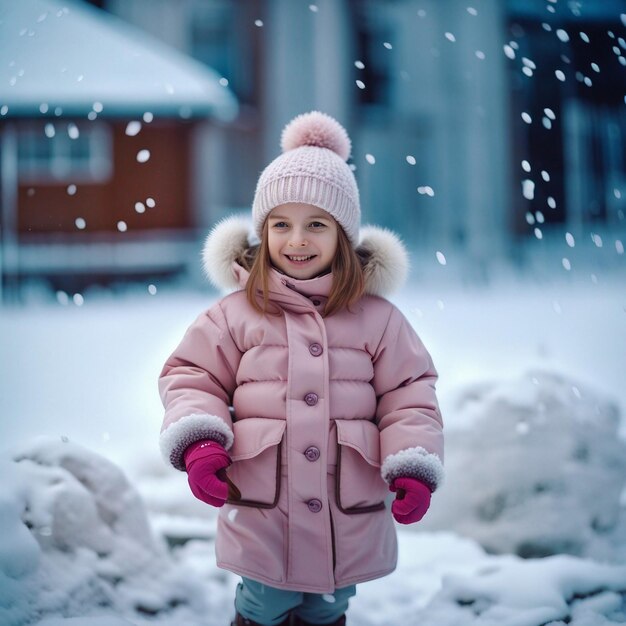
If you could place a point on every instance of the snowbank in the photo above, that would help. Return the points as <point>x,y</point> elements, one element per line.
<point>76,548</point>
<point>532,593</point>
<point>76,542</point>
<point>538,470</point>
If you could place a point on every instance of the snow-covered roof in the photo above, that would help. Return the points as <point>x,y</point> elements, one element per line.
<point>71,55</point>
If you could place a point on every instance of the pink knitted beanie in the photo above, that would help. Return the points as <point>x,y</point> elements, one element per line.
<point>312,169</point>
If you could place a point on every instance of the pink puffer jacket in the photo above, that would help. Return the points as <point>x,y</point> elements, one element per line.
<point>325,413</point>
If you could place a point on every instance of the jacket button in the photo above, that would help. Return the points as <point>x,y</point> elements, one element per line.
<point>311,399</point>
<point>312,453</point>
<point>315,505</point>
<point>315,349</point>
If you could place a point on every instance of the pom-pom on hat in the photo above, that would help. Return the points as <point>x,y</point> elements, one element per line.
<point>312,169</point>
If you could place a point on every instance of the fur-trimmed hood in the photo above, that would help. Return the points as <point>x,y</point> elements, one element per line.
<point>385,270</point>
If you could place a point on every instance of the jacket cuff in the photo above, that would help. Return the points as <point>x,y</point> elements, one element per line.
<point>177,437</point>
<point>415,463</point>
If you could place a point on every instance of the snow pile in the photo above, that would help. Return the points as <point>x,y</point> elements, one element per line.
<point>551,591</point>
<point>76,541</point>
<point>76,548</point>
<point>537,470</point>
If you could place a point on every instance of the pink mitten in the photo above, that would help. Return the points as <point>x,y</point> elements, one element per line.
<point>205,460</point>
<point>412,500</point>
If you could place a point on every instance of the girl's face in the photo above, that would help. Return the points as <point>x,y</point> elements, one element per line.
<point>302,239</point>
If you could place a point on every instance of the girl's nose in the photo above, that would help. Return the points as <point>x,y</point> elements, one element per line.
<point>297,241</point>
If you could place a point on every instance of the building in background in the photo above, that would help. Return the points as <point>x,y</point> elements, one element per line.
<point>99,132</point>
<point>481,130</point>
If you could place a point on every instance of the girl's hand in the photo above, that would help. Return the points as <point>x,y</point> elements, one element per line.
<point>206,462</point>
<point>412,500</point>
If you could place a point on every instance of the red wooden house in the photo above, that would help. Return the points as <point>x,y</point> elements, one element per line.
<point>98,145</point>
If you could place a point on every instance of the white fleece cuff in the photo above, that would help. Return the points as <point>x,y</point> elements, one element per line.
<point>414,463</point>
<point>177,437</point>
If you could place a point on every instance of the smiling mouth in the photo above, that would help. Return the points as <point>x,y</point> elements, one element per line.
<point>300,258</point>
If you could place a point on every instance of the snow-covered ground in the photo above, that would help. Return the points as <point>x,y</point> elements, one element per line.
<point>95,526</point>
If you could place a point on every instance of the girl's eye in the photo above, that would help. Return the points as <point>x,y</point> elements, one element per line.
<point>280,224</point>
<point>317,225</point>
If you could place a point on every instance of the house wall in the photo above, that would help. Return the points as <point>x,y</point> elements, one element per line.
<point>45,206</point>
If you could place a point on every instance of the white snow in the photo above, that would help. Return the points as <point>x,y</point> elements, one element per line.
<point>79,55</point>
<point>96,530</point>
<point>554,475</point>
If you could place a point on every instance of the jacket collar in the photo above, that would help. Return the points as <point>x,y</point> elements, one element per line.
<point>291,293</point>
<point>385,270</point>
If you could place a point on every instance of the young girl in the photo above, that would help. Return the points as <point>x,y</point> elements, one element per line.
<point>298,401</point>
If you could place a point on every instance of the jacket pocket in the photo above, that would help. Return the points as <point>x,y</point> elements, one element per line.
<point>256,457</point>
<point>359,485</point>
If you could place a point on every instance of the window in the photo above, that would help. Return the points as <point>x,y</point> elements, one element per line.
<point>374,35</point>
<point>225,38</point>
<point>61,150</point>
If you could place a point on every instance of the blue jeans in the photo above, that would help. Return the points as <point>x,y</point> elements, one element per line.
<point>269,606</point>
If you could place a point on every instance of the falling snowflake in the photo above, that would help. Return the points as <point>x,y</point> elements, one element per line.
<point>132,128</point>
<point>528,189</point>
<point>143,155</point>
<point>562,35</point>
<point>510,53</point>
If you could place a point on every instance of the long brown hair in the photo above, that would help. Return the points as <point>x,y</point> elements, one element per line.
<point>347,268</point>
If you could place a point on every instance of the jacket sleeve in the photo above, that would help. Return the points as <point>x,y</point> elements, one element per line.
<point>408,415</point>
<point>196,386</point>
